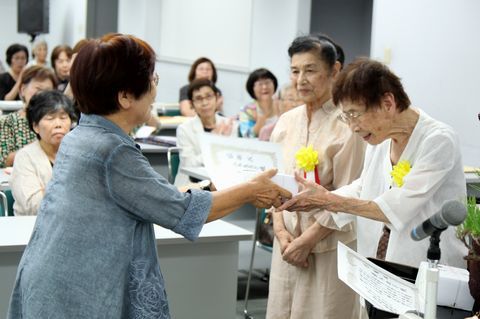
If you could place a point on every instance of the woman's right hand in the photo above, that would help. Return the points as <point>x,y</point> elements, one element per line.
<point>266,193</point>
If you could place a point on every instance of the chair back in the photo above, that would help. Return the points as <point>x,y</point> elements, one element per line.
<point>173,157</point>
<point>3,204</point>
<point>10,201</point>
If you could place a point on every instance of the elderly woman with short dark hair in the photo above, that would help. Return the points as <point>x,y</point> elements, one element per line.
<point>50,115</point>
<point>92,253</point>
<point>303,279</point>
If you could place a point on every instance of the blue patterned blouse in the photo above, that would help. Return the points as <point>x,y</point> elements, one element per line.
<point>92,253</point>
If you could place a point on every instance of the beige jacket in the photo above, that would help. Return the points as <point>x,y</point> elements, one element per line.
<point>31,173</point>
<point>341,155</point>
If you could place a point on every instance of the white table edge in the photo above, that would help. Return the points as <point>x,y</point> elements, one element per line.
<point>15,233</point>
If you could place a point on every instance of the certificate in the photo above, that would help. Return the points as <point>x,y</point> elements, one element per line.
<point>230,161</point>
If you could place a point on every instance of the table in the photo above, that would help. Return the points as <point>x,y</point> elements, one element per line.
<point>195,172</point>
<point>10,106</point>
<point>200,276</point>
<point>170,124</point>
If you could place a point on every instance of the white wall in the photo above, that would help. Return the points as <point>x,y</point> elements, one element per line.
<point>274,24</point>
<point>435,49</point>
<point>67,24</point>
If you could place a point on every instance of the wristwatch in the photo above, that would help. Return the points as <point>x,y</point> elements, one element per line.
<point>205,185</point>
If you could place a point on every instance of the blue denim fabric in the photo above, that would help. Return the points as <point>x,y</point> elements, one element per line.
<point>92,253</point>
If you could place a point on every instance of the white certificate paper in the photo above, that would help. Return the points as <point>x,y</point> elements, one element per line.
<point>230,161</point>
<point>382,289</point>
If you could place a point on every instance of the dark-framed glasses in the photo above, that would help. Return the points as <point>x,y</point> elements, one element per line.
<point>347,117</point>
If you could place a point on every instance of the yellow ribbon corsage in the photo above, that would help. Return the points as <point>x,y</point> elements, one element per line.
<point>306,158</point>
<point>400,171</point>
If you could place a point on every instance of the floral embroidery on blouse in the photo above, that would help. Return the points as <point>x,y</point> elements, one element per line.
<point>14,134</point>
<point>147,293</point>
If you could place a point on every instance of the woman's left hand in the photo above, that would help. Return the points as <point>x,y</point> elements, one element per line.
<point>311,196</point>
<point>297,253</point>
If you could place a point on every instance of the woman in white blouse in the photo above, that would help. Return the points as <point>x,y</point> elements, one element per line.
<point>204,95</point>
<point>422,153</point>
<point>50,115</point>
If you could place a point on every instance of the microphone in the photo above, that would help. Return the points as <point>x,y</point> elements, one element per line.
<point>452,213</point>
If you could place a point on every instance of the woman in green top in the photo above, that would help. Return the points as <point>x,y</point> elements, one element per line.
<point>14,130</point>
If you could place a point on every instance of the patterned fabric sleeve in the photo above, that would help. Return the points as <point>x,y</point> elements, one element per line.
<point>14,134</point>
<point>6,139</point>
<point>247,120</point>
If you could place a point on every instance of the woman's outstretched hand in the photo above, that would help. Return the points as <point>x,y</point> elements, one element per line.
<point>266,192</point>
<point>310,196</point>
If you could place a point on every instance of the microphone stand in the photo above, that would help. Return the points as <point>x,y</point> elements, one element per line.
<point>433,256</point>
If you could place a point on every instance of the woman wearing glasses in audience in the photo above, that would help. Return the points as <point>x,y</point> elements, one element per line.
<point>202,68</point>
<point>14,130</point>
<point>93,252</point>
<point>303,279</point>
<point>50,115</point>
<point>261,86</point>
<point>203,94</point>
<point>17,59</point>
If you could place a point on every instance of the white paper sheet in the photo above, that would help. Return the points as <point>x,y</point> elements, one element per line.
<point>145,131</point>
<point>230,161</point>
<point>286,181</point>
<point>382,289</point>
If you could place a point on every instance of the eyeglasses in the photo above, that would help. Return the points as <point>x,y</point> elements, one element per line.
<point>155,78</point>
<point>347,117</point>
<point>200,99</point>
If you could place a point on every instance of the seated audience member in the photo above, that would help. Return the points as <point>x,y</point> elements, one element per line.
<point>412,166</point>
<point>202,68</point>
<point>50,115</point>
<point>39,53</point>
<point>61,62</point>
<point>203,95</point>
<point>17,59</point>
<point>261,85</point>
<point>14,130</point>
<point>288,99</point>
